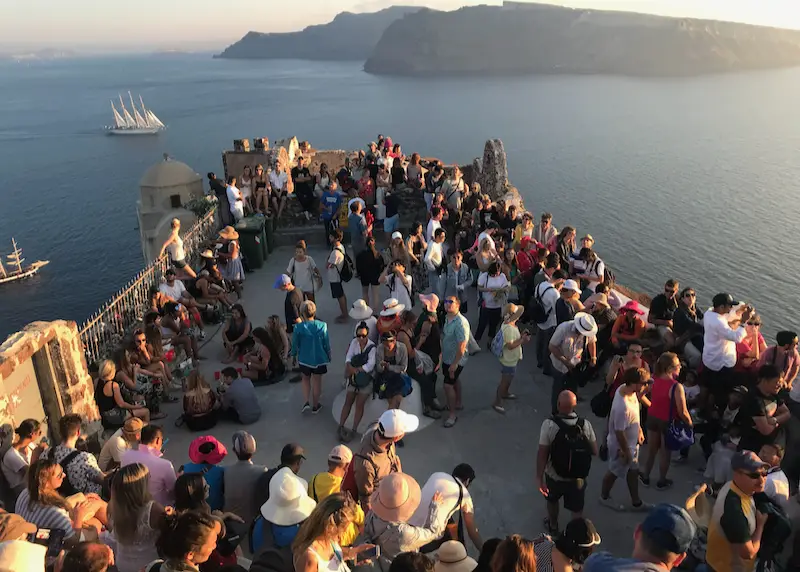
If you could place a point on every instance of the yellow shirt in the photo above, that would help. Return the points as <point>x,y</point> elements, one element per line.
<point>323,485</point>
<point>511,334</point>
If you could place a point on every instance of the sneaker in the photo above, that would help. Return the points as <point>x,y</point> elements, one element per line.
<point>202,335</point>
<point>316,408</point>
<point>609,503</point>
<point>306,407</point>
<point>644,480</point>
<point>450,422</point>
<point>641,507</point>
<point>664,485</point>
<point>500,409</point>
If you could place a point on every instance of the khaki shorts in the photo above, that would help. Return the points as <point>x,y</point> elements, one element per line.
<point>366,390</point>
<point>619,468</point>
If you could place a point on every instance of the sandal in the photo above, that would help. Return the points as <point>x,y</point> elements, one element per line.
<point>159,415</point>
<point>449,422</point>
<point>431,413</point>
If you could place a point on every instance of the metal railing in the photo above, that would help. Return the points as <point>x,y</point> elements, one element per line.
<point>102,333</point>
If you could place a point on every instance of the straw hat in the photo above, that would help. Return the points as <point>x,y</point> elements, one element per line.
<point>207,449</point>
<point>512,312</point>
<point>632,306</point>
<point>699,508</point>
<point>207,253</point>
<point>288,503</point>
<point>392,307</point>
<point>585,324</point>
<point>229,233</point>
<point>397,497</point>
<point>360,310</point>
<point>453,557</point>
<point>430,301</point>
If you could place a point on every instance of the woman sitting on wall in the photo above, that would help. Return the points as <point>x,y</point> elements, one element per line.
<point>113,407</point>
<point>200,405</point>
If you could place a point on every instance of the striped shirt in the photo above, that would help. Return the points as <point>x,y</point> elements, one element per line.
<point>543,548</point>
<point>41,515</point>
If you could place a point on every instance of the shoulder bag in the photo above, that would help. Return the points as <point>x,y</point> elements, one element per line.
<point>679,435</point>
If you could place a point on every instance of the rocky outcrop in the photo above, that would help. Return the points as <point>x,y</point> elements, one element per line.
<point>492,172</point>
<point>528,39</point>
<point>348,37</point>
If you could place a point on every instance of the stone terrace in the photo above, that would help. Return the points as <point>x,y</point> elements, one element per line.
<point>502,449</point>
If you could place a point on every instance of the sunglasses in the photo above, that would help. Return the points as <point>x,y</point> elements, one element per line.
<point>753,323</point>
<point>689,294</point>
<point>449,302</point>
<point>361,335</point>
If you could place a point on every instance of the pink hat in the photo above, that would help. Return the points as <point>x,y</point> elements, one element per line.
<point>632,306</point>
<point>430,301</point>
<point>207,449</point>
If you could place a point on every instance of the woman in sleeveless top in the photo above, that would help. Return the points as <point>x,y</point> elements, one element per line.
<point>236,335</point>
<point>232,269</point>
<point>174,245</point>
<point>665,389</point>
<point>246,185</point>
<point>134,518</point>
<point>260,193</point>
<point>108,396</point>
<point>316,546</point>
<point>323,180</point>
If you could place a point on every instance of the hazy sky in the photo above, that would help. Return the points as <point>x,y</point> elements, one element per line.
<point>194,24</point>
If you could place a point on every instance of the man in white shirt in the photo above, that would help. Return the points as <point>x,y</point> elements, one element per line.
<point>568,345</point>
<point>279,181</point>
<point>493,287</point>
<point>235,201</point>
<point>548,292</point>
<point>434,261</point>
<point>434,223</point>
<point>722,331</point>
<point>124,439</point>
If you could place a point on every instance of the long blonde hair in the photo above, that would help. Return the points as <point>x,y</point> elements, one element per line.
<point>39,490</point>
<point>327,522</point>
<point>198,392</point>
<point>129,496</point>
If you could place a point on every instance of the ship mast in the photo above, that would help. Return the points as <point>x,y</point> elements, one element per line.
<point>15,258</point>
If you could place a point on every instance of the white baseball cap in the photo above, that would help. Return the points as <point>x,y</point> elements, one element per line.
<point>396,422</point>
<point>571,285</point>
<point>396,234</point>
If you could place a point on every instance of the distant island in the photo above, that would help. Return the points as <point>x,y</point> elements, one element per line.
<point>347,37</point>
<point>523,38</point>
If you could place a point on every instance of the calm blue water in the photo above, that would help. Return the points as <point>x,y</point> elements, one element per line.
<point>688,178</point>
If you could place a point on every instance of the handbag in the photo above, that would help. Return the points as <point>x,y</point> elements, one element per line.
<point>679,435</point>
<point>601,403</point>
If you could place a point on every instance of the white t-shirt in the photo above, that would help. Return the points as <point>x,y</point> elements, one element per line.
<point>486,281</point>
<point>336,260</point>
<point>719,341</point>
<point>624,417</point>
<point>14,463</point>
<point>278,181</point>
<point>400,291</point>
<point>235,201</point>
<point>448,486</point>
<point>548,432</point>
<point>549,296</point>
<point>433,256</point>
<point>112,450</point>
<point>777,487</point>
<point>303,273</point>
<point>487,236</point>
<point>432,226</point>
<point>175,291</point>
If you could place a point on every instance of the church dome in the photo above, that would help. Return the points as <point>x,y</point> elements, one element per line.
<point>169,173</point>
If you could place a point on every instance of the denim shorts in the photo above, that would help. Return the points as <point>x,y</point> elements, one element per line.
<point>508,369</point>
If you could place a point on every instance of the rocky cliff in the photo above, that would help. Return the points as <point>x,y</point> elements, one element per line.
<point>535,38</point>
<point>348,37</point>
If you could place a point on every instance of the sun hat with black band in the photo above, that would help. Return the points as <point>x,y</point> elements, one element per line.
<point>578,539</point>
<point>452,557</point>
<point>585,324</point>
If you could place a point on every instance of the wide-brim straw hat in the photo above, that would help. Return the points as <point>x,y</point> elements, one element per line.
<point>513,312</point>
<point>430,301</point>
<point>392,307</point>
<point>585,324</point>
<point>360,310</point>
<point>288,503</point>
<point>206,254</point>
<point>452,557</point>
<point>229,233</point>
<point>699,508</point>
<point>396,498</point>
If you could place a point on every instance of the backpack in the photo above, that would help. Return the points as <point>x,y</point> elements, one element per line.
<point>539,313</point>
<point>571,451</point>
<point>498,343</point>
<point>349,481</point>
<point>347,272</point>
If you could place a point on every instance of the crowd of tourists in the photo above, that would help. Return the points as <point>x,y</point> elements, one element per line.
<point>666,384</point>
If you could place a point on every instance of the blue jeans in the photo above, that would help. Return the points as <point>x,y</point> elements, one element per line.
<point>391,224</point>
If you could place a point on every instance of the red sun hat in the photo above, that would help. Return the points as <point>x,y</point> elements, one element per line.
<point>207,449</point>
<point>632,306</point>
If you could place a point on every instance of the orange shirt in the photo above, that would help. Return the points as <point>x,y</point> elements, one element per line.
<point>623,331</point>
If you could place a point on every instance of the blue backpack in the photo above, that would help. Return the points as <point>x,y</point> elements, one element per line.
<point>498,343</point>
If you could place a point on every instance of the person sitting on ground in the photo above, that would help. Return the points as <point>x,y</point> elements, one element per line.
<point>687,325</point>
<point>140,355</point>
<point>23,452</point>
<point>263,364</point>
<point>134,518</point>
<point>200,404</point>
<point>210,293</point>
<point>175,330</point>
<point>241,478</point>
<point>292,457</point>
<point>155,343</point>
<point>206,453</point>
<point>784,356</point>
<point>568,549</point>
<point>124,439</point>
<point>394,501</point>
<point>322,485</point>
<point>162,473</point>
<point>358,370</point>
<point>628,327</point>
<point>187,540</point>
<point>282,514</point>
<point>661,542</point>
<point>239,399</point>
<point>662,311</point>
<point>175,290</point>
<point>457,510</point>
<point>41,503</point>
<point>236,334</point>
<point>514,554</point>
<point>82,473</point>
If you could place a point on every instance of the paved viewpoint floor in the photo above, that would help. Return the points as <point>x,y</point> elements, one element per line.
<point>502,449</point>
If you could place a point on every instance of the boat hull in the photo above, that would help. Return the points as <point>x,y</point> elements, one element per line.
<point>127,132</point>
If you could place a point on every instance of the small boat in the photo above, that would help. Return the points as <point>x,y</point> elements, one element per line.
<point>21,272</point>
<point>140,123</point>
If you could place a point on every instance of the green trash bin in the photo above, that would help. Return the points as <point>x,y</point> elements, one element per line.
<point>269,227</point>
<point>251,233</point>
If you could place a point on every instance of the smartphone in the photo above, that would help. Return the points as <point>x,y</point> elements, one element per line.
<point>370,554</point>
<point>52,538</point>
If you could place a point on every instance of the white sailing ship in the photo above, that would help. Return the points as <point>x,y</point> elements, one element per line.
<point>143,122</point>
<point>16,260</point>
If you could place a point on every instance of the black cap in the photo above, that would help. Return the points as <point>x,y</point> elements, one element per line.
<point>291,453</point>
<point>723,299</point>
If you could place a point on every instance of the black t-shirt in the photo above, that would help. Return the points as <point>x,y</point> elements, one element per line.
<point>392,204</point>
<point>218,187</point>
<point>373,171</point>
<point>469,203</point>
<point>398,176</point>
<point>662,308</point>
<point>306,187</point>
<point>291,308</point>
<point>564,311</point>
<point>757,404</point>
<point>508,223</point>
<point>344,176</point>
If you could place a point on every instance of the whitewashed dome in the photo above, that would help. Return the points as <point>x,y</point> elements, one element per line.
<point>169,173</point>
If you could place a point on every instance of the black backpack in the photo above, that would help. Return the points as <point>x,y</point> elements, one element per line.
<point>538,312</point>
<point>67,488</point>
<point>571,450</point>
<point>347,272</point>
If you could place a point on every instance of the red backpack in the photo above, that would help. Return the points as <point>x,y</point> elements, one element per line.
<point>349,481</point>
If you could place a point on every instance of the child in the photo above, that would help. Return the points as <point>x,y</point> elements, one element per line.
<point>718,470</point>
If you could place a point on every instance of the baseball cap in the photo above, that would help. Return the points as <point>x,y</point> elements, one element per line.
<point>571,285</point>
<point>282,281</point>
<point>396,422</point>
<point>291,453</point>
<point>747,461</point>
<point>244,443</point>
<point>670,527</point>
<point>13,527</point>
<point>723,299</point>
<point>340,454</point>
<point>396,234</point>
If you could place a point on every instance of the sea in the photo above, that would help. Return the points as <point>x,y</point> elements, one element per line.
<point>688,178</point>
